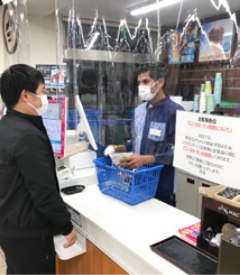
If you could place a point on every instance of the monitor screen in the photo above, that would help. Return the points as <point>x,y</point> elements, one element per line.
<point>54,121</point>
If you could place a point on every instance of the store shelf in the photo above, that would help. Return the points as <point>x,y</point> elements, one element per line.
<point>108,56</point>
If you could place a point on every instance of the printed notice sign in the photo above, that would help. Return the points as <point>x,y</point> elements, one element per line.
<point>209,147</point>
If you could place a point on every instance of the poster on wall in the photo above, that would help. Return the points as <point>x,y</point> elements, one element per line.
<point>216,40</point>
<point>182,46</point>
<point>57,77</point>
<point>54,76</point>
<point>208,147</point>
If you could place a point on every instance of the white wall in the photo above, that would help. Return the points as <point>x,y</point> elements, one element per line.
<point>41,46</point>
<point>42,40</point>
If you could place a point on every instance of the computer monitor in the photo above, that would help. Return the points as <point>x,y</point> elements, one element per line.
<point>54,121</point>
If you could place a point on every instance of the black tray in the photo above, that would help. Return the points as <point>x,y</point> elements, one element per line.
<point>186,256</point>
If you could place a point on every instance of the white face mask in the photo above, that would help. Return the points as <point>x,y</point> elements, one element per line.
<point>145,94</point>
<point>44,102</point>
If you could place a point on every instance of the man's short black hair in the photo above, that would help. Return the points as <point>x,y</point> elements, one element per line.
<point>17,78</point>
<point>156,71</point>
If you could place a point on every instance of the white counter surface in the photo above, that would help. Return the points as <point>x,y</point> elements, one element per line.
<point>124,232</point>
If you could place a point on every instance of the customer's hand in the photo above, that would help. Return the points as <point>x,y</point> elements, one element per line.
<point>71,239</point>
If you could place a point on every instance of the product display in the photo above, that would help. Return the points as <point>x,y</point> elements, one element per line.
<point>218,89</point>
<point>223,194</point>
<point>229,193</point>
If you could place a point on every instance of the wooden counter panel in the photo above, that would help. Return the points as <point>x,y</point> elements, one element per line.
<point>94,261</point>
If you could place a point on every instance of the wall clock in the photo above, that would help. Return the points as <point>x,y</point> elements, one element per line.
<point>10,28</point>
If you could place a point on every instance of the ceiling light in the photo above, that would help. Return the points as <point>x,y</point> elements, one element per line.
<point>153,7</point>
<point>3,2</point>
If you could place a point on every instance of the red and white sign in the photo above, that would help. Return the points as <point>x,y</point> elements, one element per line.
<point>208,146</point>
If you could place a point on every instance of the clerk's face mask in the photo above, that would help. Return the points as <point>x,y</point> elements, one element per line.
<point>44,101</point>
<point>144,92</point>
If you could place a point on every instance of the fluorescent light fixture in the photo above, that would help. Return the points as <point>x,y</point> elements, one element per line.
<point>3,2</point>
<point>153,7</point>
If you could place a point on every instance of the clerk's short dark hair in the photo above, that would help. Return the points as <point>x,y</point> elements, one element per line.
<point>156,71</point>
<point>17,78</point>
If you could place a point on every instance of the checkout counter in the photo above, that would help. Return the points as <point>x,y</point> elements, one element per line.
<point>117,236</point>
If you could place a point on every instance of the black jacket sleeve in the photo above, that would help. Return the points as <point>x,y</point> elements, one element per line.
<point>34,163</point>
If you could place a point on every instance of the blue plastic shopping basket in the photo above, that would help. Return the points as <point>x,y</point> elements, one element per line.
<point>127,186</point>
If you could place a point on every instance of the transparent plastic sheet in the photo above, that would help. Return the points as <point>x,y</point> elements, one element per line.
<point>15,28</point>
<point>102,49</point>
<point>101,57</point>
<point>201,47</point>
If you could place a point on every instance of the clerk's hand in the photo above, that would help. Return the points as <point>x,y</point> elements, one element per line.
<point>71,239</point>
<point>119,148</point>
<point>133,162</point>
<point>136,161</point>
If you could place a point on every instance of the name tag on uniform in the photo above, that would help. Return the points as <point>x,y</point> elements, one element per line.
<point>155,132</point>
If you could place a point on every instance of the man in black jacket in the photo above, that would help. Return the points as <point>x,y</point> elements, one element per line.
<point>31,208</point>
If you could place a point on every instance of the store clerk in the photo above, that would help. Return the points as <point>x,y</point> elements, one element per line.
<point>154,129</point>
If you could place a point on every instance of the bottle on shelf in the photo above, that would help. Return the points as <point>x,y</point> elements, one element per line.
<point>208,88</point>
<point>143,43</point>
<point>218,89</point>
<point>122,43</point>
<point>202,102</point>
<point>196,103</point>
<point>210,104</point>
<point>143,39</point>
<point>202,89</point>
<point>105,38</point>
<point>79,39</point>
<point>70,35</point>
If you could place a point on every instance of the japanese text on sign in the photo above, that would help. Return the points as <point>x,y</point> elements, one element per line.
<point>207,146</point>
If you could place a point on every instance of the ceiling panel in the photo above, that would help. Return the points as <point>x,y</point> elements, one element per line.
<point>114,10</point>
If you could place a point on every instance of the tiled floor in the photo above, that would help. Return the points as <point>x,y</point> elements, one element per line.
<point>3,266</point>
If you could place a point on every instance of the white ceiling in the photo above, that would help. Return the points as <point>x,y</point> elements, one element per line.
<point>114,10</point>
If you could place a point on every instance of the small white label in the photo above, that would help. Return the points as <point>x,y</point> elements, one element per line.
<point>155,132</point>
